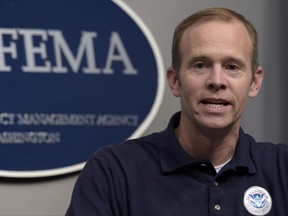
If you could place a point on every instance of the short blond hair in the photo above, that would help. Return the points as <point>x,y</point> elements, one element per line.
<point>209,14</point>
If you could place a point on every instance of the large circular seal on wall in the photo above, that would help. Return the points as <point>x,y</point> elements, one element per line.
<point>75,76</point>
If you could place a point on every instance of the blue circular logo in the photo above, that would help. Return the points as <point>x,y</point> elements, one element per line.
<point>257,201</point>
<point>75,76</point>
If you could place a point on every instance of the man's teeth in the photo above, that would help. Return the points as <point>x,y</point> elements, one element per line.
<point>213,105</point>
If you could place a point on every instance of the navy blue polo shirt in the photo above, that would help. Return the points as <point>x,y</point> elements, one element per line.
<point>154,176</point>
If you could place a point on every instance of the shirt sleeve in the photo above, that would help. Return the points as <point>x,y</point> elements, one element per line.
<point>97,191</point>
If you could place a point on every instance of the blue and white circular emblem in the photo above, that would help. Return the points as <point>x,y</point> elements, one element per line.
<point>257,201</point>
<point>74,76</point>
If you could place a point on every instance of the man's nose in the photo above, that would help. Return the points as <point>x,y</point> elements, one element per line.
<point>216,79</point>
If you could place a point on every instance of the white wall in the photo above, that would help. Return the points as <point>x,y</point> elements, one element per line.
<point>50,197</point>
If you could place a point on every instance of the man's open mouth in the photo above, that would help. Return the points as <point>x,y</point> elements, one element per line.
<point>215,103</point>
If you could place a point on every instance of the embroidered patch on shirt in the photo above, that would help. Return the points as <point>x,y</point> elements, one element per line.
<point>257,201</point>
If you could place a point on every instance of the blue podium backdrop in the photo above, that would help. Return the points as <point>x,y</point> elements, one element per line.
<point>75,76</point>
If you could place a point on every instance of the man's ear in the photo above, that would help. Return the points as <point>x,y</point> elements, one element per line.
<point>173,81</point>
<point>256,82</point>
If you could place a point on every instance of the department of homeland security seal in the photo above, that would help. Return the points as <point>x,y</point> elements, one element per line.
<point>257,201</point>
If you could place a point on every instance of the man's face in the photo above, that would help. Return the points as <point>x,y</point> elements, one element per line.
<point>215,77</point>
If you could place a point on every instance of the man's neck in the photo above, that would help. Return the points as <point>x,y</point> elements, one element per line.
<point>218,146</point>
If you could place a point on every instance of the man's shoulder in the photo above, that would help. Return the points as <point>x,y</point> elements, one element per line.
<point>269,150</point>
<point>262,145</point>
<point>269,146</point>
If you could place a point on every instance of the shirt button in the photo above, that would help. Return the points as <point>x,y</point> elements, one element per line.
<point>217,207</point>
<point>216,183</point>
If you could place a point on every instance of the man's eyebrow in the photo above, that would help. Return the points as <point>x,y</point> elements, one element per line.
<point>205,58</point>
<point>199,57</point>
<point>236,60</point>
<point>196,58</point>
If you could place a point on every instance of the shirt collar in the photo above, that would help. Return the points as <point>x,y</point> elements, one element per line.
<point>173,156</point>
<point>241,159</point>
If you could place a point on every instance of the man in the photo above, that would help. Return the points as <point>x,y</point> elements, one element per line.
<point>203,163</point>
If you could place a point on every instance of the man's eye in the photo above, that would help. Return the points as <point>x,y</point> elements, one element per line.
<point>199,65</point>
<point>232,67</point>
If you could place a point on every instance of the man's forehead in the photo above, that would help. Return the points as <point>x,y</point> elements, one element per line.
<point>199,43</point>
<point>233,23</point>
<point>214,20</point>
